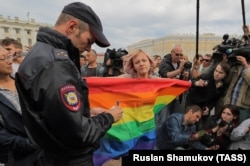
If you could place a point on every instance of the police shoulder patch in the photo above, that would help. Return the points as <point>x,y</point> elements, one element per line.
<point>69,97</point>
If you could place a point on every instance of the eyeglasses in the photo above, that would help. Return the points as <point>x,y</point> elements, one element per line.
<point>7,58</point>
<point>16,54</point>
<point>178,54</point>
<point>207,60</point>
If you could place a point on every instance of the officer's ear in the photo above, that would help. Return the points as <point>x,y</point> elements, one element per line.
<point>72,26</point>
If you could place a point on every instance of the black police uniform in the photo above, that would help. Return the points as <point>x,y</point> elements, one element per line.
<point>54,102</point>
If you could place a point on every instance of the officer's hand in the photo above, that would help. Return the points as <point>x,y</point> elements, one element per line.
<point>116,112</point>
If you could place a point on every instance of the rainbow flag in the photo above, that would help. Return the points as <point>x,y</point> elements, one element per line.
<point>141,100</point>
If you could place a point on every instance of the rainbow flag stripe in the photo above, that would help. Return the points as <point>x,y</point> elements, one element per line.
<point>140,100</point>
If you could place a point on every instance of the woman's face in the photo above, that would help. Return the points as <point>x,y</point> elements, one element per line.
<point>141,64</point>
<point>219,73</point>
<point>227,115</point>
<point>158,61</point>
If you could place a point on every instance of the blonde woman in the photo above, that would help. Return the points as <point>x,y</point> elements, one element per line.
<point>138,64</point>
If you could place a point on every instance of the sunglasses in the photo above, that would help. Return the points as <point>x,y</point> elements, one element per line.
<point>178,54</point>
<point>17,54</point>
<point>207,60</point>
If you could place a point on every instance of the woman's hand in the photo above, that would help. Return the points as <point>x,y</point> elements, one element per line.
<point>201,83</point>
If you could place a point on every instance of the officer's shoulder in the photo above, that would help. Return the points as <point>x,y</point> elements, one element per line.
<point>60,53</point>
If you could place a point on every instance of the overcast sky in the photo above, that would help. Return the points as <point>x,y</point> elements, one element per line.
<point>128,21</point>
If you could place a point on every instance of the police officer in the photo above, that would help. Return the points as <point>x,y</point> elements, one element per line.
<point>53,96</point>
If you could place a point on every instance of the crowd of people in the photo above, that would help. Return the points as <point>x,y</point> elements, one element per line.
<point>214,114</point>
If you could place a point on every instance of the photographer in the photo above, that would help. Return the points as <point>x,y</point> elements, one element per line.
<point>206,90</point>
<point>218,128</point>
<point>223,52</point>
<point>179,131</point>
<point>172,64</point>
<point>113,62</point>
<point>220,54</point>
<point>186,72</point>
<point>238,92</point>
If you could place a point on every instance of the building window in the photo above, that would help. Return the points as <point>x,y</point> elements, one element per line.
<point>19,39</point>
<point>17,31</point>
<point>28,32</point>
<point>30,42</point>
<point>6,29</point>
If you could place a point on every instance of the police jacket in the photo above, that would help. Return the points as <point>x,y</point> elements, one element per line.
<point>15,146</point>
<point>54,99</point>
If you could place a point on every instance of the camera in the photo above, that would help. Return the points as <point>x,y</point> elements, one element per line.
<point>221,123</point>
<point>116,60</point>
<point>115,56</point>
<point>188,65</point>
<point>208,139</point>
<point>243,51</point>
<point>231,48</point>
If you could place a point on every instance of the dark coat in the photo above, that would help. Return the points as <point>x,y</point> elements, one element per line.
<point>204,96</point>
<point>15,145</point>
<point>166,66</point>
<point>54,99</point>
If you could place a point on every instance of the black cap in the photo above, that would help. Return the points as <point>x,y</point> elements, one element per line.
<point>86,14</point>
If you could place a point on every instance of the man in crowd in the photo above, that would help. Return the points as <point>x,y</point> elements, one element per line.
<point>179,131</point>
<point>238,92</point>
<point>172,65</point>
<point>206,61</point>
<point>82,60</point>
<point>92,68</point>
<point>53,95</point>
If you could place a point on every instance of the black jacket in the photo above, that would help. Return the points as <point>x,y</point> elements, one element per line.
<point>204,96</point>
<point>15,146</point>
<point>166,66</point>
<point>54,99</point>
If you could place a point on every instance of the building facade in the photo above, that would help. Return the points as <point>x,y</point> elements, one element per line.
<point>163,46</point>
<point>26,31</point>
<point>21,30</point>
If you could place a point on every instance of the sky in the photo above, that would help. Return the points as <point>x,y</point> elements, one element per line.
<point>129,21</point>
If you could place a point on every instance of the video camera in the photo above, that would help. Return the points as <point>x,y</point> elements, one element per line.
<point>116,60</point>
<point>231,47</point>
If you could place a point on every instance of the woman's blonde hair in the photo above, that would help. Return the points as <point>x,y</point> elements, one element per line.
<point>128,62</point>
